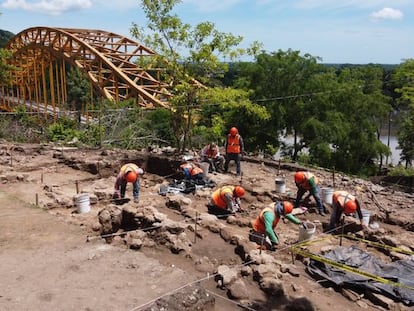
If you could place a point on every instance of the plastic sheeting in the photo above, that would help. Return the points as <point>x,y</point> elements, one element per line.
<point>401,272</point>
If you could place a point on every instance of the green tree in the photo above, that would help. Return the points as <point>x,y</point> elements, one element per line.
<point>191,56</point>
<point>227,107</point>
<point>278,81</point>
<point>405,75</point>
<point>78,87</point>
<point>5,67</point>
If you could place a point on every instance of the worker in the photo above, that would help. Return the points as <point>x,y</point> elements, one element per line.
<point>263,227</point>
<point>192,171</point>
<point>343,203</point>
<point>129,172</point>
<point>226,200</point>
<point>234,147</point>
<point>211,154</point>
<point>306,181</point>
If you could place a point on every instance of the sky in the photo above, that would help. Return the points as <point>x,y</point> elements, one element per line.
<point>337,31</point>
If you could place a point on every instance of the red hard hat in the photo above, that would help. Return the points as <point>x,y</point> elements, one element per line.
<point>131,176</point>
<point>239,191</point>
<point>287,207</point>
<point>234,131</point>
<point>350,207</point>
<point>299,177</point>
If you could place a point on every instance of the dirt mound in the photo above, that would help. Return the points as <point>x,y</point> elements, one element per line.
<point>150,255</point>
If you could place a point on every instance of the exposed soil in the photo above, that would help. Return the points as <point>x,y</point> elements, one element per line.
<point>54,258</point>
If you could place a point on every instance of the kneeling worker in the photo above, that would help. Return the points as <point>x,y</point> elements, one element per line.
<point>225,200</point>
<point>266,222</point>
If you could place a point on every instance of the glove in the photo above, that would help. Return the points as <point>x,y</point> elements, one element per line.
<point>235,207</point>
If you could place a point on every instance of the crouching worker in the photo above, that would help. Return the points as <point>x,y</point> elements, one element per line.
<point>192,172</point>
<point>343,203</point>
<point>225,200</point>
<point>264,225</point>
<point>128,173</point>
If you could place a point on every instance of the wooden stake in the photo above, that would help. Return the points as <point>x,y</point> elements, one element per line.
<point>342,230</point>
<point>195,227</point>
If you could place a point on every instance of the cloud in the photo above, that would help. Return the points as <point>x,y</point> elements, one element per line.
<point>387,13</point>
<point>212,5</point>
<point>51,7</point>
<point>335,4</point>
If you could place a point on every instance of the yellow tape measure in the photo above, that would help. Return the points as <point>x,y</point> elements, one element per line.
<point>348,268</point>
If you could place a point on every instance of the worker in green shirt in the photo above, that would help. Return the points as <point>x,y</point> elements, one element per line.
<point>264,225</point>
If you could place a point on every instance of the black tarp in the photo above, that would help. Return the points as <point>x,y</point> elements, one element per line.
<point>401,271</point>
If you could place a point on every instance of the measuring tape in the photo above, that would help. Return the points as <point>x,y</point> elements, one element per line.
<point>396,249</point>
<point>344,267</point>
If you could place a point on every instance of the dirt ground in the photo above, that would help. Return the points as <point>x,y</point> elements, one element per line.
<point>53,258</point>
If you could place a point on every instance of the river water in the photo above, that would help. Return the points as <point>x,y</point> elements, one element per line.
<point>395,152</point>
<point>393,144</point>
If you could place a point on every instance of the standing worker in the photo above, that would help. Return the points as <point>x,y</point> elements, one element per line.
<point>128,173</point>
<point>343,203</point>
<point>211,155</point>
<point>264,225</point>
<point>306,181</point>
<point>234,149</point>
<point>225,200</point>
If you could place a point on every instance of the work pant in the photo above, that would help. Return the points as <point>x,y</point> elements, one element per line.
<point>216,164</point>
<point>218,211</point>
<point>335,219</point>
<point>315,194</point>
<point>135,189</point>
<point>236,157</point>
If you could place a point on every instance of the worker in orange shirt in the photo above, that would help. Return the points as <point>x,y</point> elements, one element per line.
<point>226,200</point>
<point>234,147</point>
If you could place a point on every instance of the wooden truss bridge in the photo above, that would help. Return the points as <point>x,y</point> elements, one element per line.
<point>113,64</point>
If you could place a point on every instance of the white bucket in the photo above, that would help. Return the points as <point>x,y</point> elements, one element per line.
<point>280,185</point>
<point>307,232</point>
<point>327,195</point>
<point>83,203</point>
<point>365,216</point>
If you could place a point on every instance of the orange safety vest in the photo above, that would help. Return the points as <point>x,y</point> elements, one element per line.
<point>218,196</point>
<point>259,223</point>
<point>233,144</point>
<point>211,153</point>
<point>194,169</point>
<point>305,184</point>
<point>341,197</point>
